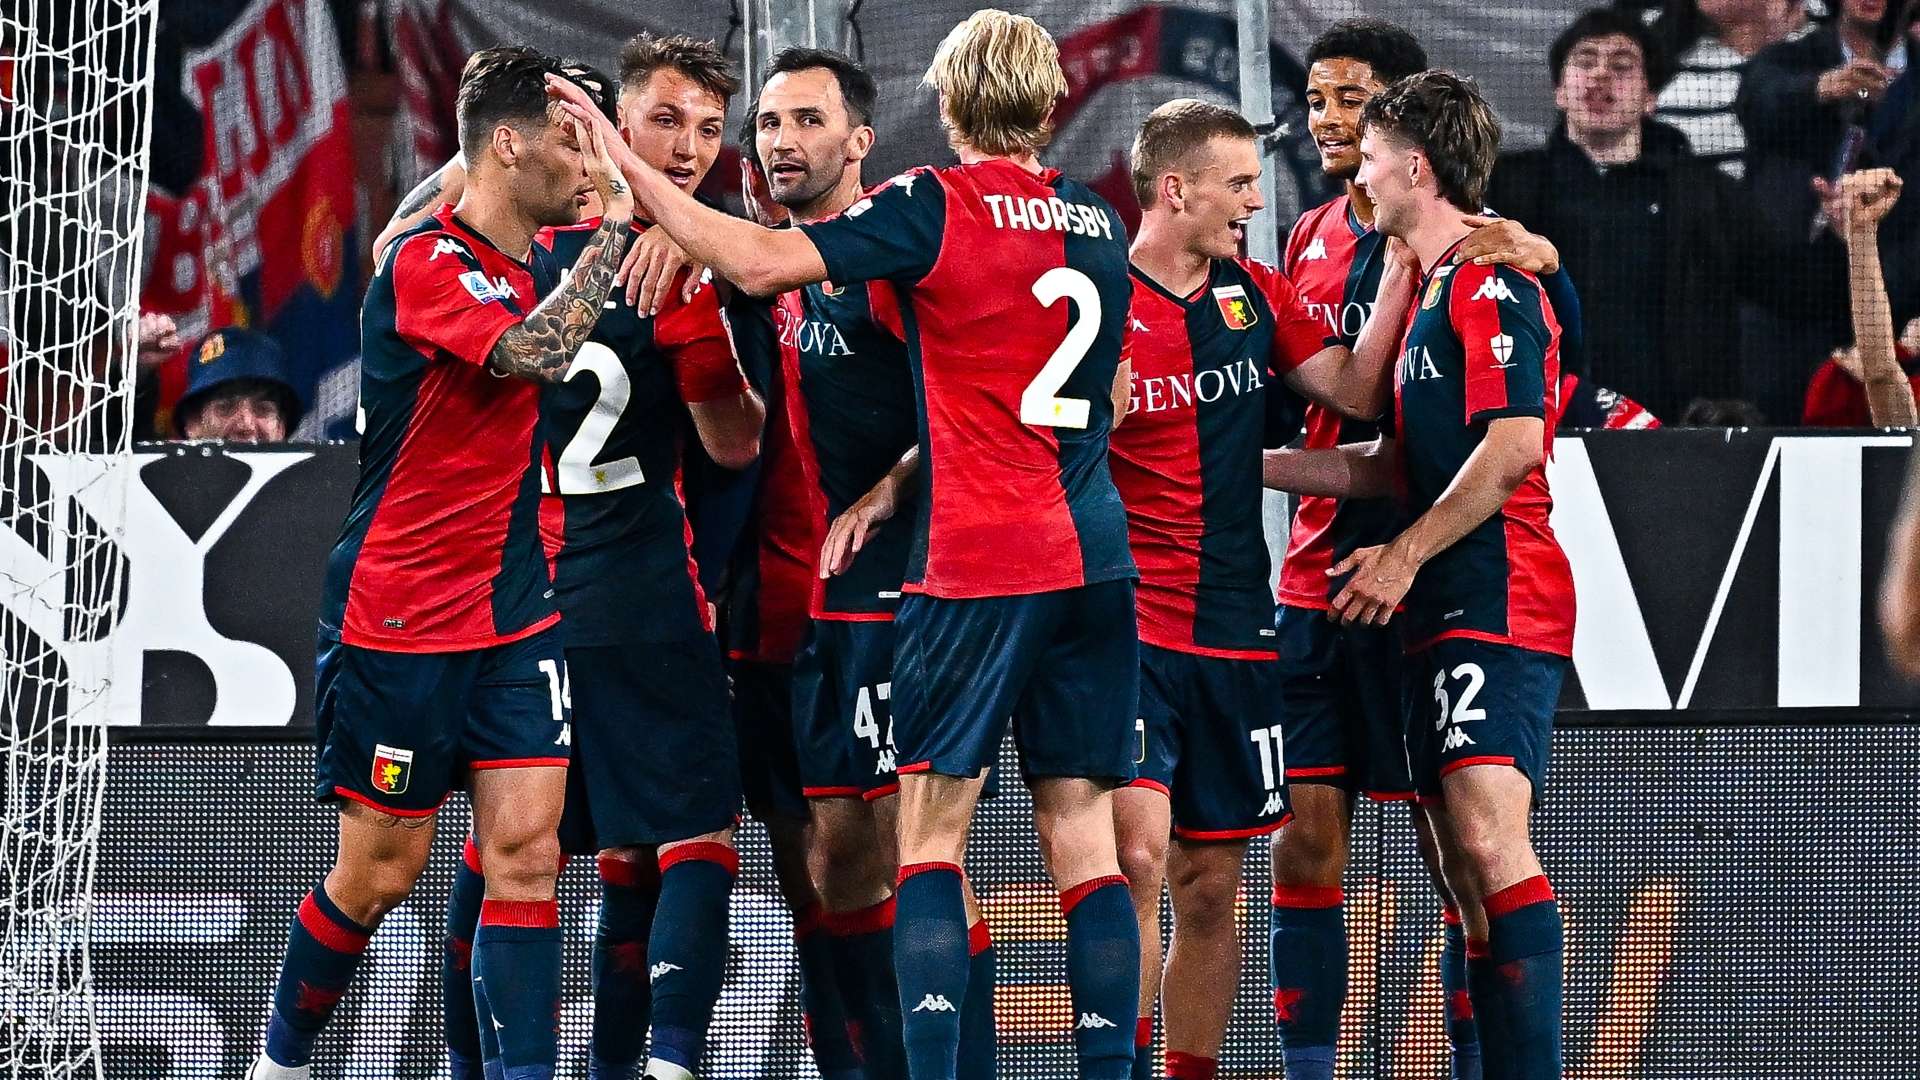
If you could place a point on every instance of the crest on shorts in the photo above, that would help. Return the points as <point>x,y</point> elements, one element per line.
<point>392,769</point>
<point>1235,308</point>
<point>828,288</point>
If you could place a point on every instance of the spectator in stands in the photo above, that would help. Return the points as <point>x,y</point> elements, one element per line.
<point>237,390</point>
<point>1800,98</point>
<point>1869,383</point>
<point>1707,44</point>
<point>1656,237</point>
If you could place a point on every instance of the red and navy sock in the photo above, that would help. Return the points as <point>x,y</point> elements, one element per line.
<point>688,948</point>
<point>930,961</point>
<point>1524,951</point>
<point>979,1037</point>
<point>1483,992</point>
<point>622,995</point>
<point>860,944</point>
<point>459,1020</point>
<point>1463,1034</point>
<point>516,962</point>
<point>1191,1066</point>
<point>1143,1049</point>
<point>824,1013</point>
<point>1103,975</point>
<point>323,949</point>
<point>1307,962</point>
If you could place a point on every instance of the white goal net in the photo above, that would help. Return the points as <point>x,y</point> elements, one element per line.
<point>75,104</point>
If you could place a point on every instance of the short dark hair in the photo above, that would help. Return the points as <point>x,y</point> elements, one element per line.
<point>504,84</point>
<point>701,61</point>
<point>1175,130</point>
<point>1606,22</point>
<point>857,88</point>
<point>1444,116</point>
<point>598,85</point>
<point>1389,49</point>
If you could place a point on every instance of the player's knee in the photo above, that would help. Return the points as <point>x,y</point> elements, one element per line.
<point>1204,894</point>
<point>1483,846</point>
<point>367,890</point>
<point>1143,858</point>
<point>844,870</point>
<point>1310,850</point>
<point>521,860</point>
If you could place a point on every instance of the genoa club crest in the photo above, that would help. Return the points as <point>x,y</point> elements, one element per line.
<point>392,769</point>
<point>828,288</point>
<point>1235,308</point>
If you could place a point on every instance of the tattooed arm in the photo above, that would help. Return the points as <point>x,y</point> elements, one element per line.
<point>542,345</point>
<point>445,185</point>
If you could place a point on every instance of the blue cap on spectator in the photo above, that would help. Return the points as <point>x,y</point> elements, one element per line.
<point>232,355</point>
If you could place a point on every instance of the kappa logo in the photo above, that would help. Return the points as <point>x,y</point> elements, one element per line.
<point>1138,325</point>
<point>566,736</point>
<point>1502,346</point>
<point>1494,288</point>
<point>447,245</point>
<point>487,291</point>
<point>935,1003</point>
<point>1093,1020</point>
<point>1315,250</point>
<point>662,968</point>
<point>1276,803</point>
<point>1455,739</point>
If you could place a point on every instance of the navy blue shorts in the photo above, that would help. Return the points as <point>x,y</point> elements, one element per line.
<point>1340,695</point>
<point>1209,738</point>
<point>398,731</point>
<point>1063,667</point>
<point>763,719</point>
<point>654,759</point>
<point>843,710</point>
<point>1480,703</point>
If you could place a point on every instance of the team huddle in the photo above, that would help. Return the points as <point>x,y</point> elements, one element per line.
<point>981,464</point>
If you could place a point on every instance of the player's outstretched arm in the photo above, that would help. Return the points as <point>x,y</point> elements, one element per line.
<point>1496,468</point>
<point>1859,203</point>
<point>1353,471</point>
<point>542,345</point>
<point>444,185</point>
<point>1358,382</point>
<point>759,260</point>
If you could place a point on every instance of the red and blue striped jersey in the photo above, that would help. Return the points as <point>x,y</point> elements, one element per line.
<point>849,398</point>
<point>1013,292</point>
<point>440,551</point>
<point>1482,343</point>
<point>614,518</point>
<point>1336,264</point>
<point>1187,456</point>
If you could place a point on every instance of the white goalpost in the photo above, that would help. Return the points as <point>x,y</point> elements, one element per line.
<point>76,82</point>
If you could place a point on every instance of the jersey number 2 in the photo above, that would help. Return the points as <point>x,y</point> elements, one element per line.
<point>577,473</point>
<point>1039,406</point>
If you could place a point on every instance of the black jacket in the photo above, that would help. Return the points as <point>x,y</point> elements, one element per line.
<point>1713,256</point>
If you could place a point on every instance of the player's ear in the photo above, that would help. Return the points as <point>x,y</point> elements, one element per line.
<point>1173,191</point>
<point>505,144</point>
<point>860,144</point>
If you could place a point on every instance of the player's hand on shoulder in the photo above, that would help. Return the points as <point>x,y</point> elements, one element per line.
<point>648,272</point>
<point>1381,578</point>
<point>1504,240</point>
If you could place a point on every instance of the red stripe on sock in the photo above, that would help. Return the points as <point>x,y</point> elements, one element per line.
<point>471,855</point>
<point>538,914</point>
<point>911,869</point>
<point>1190,1066</point>
<point>1308,896</point>
<point>627,873</point>
<point>866,920</point>
<point>704,851</point>
<point>1477,948</point>
<point>1450,915</point>
<point>1072,897</point>
<point>1143,1032</point>
<point>979,938</point>
<point>341,939</point>
<point>1534,890</point>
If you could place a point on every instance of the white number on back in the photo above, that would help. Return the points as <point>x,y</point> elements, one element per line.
<point>578,475</point>
<point>1038,405</point>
